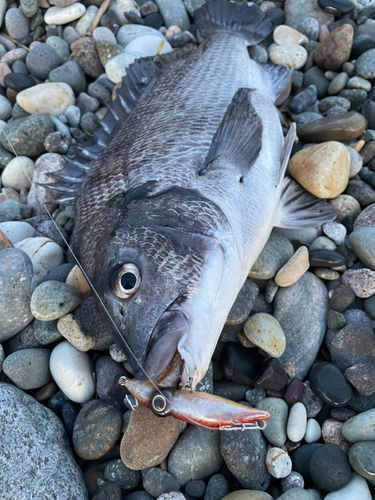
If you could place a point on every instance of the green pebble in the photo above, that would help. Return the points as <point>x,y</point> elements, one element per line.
<point>275,431</point>
<point>362,459</point>
<point>46,332</point>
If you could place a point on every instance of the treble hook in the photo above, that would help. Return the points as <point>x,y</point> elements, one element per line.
<point>134,406</point>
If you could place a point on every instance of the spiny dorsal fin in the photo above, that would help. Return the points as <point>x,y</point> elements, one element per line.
<point>238,140</point>
<point>298,208</point>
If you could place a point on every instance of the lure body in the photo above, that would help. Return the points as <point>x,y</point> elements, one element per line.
<point>197,408</point>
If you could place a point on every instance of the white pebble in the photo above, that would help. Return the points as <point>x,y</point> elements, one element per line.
<point>278,463</point>
<point>51,98</point>
<point>335,231</point>
<point>297,421</point>
<point>286,35</point>
<point>85,21</point>
<point>130,32</point>
<point>44,253</point>
<point>72,371</point>
<point>291,55</point>
<point>17,173</point>
<point>115,68</point>
<point>104,34</point>
<point>64,15</point>
<point>145,46</point>
<point>313,431</point>
<point>17,231</point>
<point>356,489</point>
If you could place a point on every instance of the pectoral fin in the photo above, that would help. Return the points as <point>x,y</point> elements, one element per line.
<point>298,208</point>
<point>238,140</point>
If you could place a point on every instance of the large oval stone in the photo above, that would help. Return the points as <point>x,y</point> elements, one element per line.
<point>344,127</point>
<point>335,48</point>
<point>329,384</point>
<point>51,98</point>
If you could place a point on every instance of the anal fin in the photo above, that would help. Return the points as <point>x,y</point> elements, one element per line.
<point>300,209</point>
<point>238,140</point>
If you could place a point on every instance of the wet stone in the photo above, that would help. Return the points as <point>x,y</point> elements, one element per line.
<point>342,127</point>
<point>41,60</point>
<point>96,429</point>
<point>325,258</point>
<point>329,468</point>
<point>329,384</point>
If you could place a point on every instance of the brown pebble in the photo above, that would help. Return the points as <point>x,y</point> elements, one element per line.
<point>362,281</point>
<point>342,414</point>
<point>310,60</point>
<point>148,439</point>
<point>323,32</point>
<point>344,127</point>
<point>334,50</point>
<point>293,391</point>
<point>358,145</point>
<point>4,242</point>
<point>289,369</point>
<point>362,377</point>
<point>291,445</point>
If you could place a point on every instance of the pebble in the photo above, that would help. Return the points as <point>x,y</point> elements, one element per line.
<point>291,55</point>
<point>297,421</point>
<point>147,45</point>
<point>360,428</point>
<point>72,372</point>
<point>365,65</point>
<point>244,454</point>
<point>53,300</point>
<point>362,241</point>
<point>338,83</point>
<point>17,24</point>
<point>28,368</point>
<point>17,230</point>
<point>243,304</point>
<point>45,254</point>
<point>295,494</point>
<point>10,209</point>
<point>70,329</point>
<point>343,127</point>
<point>335,231</point>
<point>334,49</point>
<point>352,345</point>
<point>16,284</point>
<point>285,34</point>
<point>46,332</point>
<point>303,100</point>
<point>108,373</point>
<point>323,243</point>
<point>5,108</point>
<point>84,22</point>
<point>116,471</point>
<point>313,431</point>
<point>76,279</point>
<point>105,34</point>
<point>67,78</point>
<point>322,169</point>
<point>64,15</point>
<point>329,468</point>
<point>42,444</point>
<point>148,439</point>
<point>174,13</point>
<point>356,489</point>
<point>362,281</point>
<point>86,56</point>
<point>326,274</point>
<point>217,488</point>
<point>265,331</point>
<point>332,433</point>
<point>276,252</point>
<point>297,11</point>
<point>362,459</point>
<point>301,458</point>
<point>130,32</point>
<point>96,429</point>
<point>294,269</point>
<point>366,218</point>
<point>157,482</point>
<point>50,98</point>
<point>301,311</point>
<point>115,68</point>
<point>17,173</point>
<point>294,480</point>
<point>278,463</point>
<point>41,60</point>
<point>329,384</point>
<point>60,46</point>
<point>275,431</point>
<point>27,135</point>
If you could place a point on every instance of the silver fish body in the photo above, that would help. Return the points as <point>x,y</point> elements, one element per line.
<point>187,190</point>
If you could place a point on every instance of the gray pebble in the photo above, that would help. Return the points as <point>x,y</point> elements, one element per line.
<point>29,7</point>
<point>53,299</point>
<point>46,332</point>
<point>61,47</point>
<point>217,488</point>
<point>157,482</point>
<point>28,368</point>
<point>71,74</point>
<point>310,28</point>
<point>302,101</point>
<point>174,13</point>
<point>275,431</point>
<point>258,54</point>
<point>41,60</point>
<point>294,480</point>
<point>5,108</point>
<point>17,24</point>
<point>117,471</point>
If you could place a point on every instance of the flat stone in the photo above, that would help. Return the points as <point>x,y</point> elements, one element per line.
<point>322,243</point>
<point>96,429</point>
<point>294,269</point>
<point>291,55</point>
<point>362,459</point>
<point>360,428</point>
<point>297,421</point>
<point>322,169</point>
<point>344,127</point>
<point>84,22</point>
<point>50,98</point>
<point>17,283</point>
<point>71,330</point>
<point>28,368</point>
<point>362,281</point>
<point>356,489</point>
<point>334,49</point>
<point>148,439</point>
<point>17,24</point>
<point>42,446</point>
<point>301,311</point>
<point>329,468</point>
<point>53,299</point>
<point>64,15</point>
<point>276,252</point>
<point>264,330</point>
<point>72,372</point>
<point>275,431</point>
<point>329,384</point>
<point>70,77</point>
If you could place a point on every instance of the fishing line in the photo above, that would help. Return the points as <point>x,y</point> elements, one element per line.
<point>91,285</point>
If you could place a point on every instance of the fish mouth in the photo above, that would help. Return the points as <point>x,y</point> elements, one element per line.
<point>171,328</point>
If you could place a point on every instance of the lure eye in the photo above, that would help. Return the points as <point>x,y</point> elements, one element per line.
<point>160,405</point>
<point>126,281</point>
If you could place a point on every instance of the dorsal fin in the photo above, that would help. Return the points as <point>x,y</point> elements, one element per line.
<point>238,140</point>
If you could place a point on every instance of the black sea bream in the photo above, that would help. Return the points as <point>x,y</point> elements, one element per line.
<point>184,191</point>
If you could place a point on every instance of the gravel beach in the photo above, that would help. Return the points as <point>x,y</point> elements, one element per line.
<point>299,340</point>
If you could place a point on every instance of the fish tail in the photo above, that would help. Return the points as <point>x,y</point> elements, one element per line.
<point>221,15</point>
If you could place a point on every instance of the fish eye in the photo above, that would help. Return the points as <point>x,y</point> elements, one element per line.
<point>126,280</point>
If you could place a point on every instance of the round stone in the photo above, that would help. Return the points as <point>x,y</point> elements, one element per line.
<point>42,59</point>
<point>322,169</point>
<point>332,433</point>
<point>64,15</point>
<point>5,108</point>
<point>278,463</point>
<point>365,65</point>
<point>285,34</point>
<point>313,431</point>
<point>360,428</point>
<point>28,368</point>
<point>276,252</point>
<point>329,384</point>
<point>217,488</point>
<point>362,241</point>
<point>18,173</point>
<point>304,100</point>
<point>96,430</point>
<point>17,24</point>
<point>60,46</point>
<point>291,55</point>
<point>356,489</point>
<point>335,231</point>
<point>297,421</point>
<point>362,459</point>
<point>130,32</point>
<point>68,77</point>
<point>275,431</point>
<point>356,162</point>
<point>362,281</point>
<point>338,83</point>
<point>105,34</point>
<point>347,206</point>
<point>334,49</point>
<point>50,98</point>
<point>44,253</point>
<point>46,332</point>
<point>72,372</point>
<point>53,299</point>
<point>323,243</point>
<point>294,269</point>
<point>329,468</point>
<point>69,328</point>
<point>264,330</point>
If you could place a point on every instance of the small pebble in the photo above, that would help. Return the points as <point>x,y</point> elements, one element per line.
<point>28,368</point>
<point>64,15</point>
<point>265,331</point>
<point>294,269</point>
<point>291,55</point>
<point>278,463</point>
<point>18,173</point>
<point>313,431</point>
<point>53,300</point>
<point>360,428</point>
<point>297,421</point>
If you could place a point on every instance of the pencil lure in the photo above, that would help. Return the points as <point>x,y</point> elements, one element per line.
<point>197,408</point>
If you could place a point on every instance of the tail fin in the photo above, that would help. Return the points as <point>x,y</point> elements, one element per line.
<point>221,15</point>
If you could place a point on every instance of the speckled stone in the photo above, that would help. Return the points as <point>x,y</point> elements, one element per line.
<point>276,252</point>
<point>116,471</point>
<point>360,428</point>
<point>53,299</point>
<point>28,368</point>
<point>275,431</point>
<point>265,331</point>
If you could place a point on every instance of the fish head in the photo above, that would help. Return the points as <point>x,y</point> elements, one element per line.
<point>149,279</point>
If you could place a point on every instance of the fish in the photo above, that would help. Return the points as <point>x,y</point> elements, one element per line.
<point>197,408</point>
<point>178,191</point>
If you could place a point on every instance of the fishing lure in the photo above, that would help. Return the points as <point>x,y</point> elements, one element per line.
<point>197,408</point>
